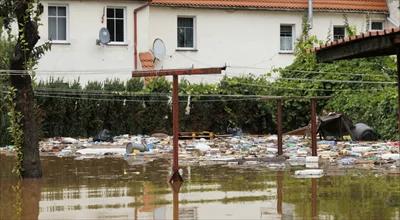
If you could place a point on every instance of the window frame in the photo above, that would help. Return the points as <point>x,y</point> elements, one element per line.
<point>124,42</point>
<point>66,41</point>
<point>380,21</point>
<point>333,31</point>
<point>293,38</point>
<point>194,48</point>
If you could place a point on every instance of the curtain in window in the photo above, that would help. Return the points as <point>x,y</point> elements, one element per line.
<point>286,38</point>
<point>185,33</point>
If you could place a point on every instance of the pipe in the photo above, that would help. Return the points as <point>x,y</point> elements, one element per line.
<point>135,37</point>
<point>310,13</point>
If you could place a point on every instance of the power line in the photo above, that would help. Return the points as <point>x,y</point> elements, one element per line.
<point>48,72</point>
<point>147,95</point>
<point>333,80</point>
<point>338,81</point>
<point>76,92</point>
<point>337,73</point>
<point>307,89</point>
<point>308,71</point>
<point>231,98</point>
<point>124,71</point>
<point>277,78</point>
<point>146,101</point>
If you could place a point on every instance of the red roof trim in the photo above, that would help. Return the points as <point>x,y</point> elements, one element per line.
<point>330,5</point>
<point>357,38</point>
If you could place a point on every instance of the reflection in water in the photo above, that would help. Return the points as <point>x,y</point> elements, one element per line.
<point>20,199</point>
<point>31,195</point>
<point>176,187</point>
<point>111,189</point>
<point>314,202</point>
<point>279,192</point>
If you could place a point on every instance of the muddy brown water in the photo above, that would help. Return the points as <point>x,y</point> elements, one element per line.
<point>109,188</point>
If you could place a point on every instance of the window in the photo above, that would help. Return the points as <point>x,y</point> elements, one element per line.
<point>286,37</point>
<point>57,23</point>
<point>115,24</point>
<point>338,32</point>
<point>376,25</point>
<point>186,32</point>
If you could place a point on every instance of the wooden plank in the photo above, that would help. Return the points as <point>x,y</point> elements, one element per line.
<point>176,72</point>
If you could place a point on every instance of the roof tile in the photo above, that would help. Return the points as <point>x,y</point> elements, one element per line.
<point>339,5</point>
<point>358,37</point>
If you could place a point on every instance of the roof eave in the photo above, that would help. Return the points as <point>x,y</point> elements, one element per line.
<point>267,8</point>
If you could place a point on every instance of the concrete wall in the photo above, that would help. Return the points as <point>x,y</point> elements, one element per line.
<point>80,53</point>
<point>246,38</point>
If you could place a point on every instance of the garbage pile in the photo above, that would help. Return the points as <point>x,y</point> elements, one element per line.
<point>245,151</point>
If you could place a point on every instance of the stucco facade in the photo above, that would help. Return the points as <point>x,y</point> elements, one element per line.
<point>80,53</point>
<point>247,40</point>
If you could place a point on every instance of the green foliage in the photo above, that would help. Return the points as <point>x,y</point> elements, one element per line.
<point>6,49</point>
<point>15,130</point>
<point>377,109</point>
<point>373,104</point>
<point>27,15</point>
<point>101,105</point>
<point>351,30</point>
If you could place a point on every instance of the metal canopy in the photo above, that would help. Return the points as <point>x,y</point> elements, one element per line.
<point>370,44</point>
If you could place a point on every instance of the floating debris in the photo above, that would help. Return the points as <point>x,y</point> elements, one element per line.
<point>310,173</point>
<point>244,150</point>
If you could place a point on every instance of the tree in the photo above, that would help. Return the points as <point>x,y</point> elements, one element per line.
<point>26,14</point>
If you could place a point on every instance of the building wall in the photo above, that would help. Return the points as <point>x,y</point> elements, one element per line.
<point>81,54</point>
<point>248,39</point>
<point>394,12</point>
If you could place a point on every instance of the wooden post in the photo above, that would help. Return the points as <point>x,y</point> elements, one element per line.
<point>175,104</point>
<point>176,187</point>
<point>314,199</point>
<point>314,126</point>
<point>279,125</point>
<point>175,124</point>
<point>279,191</point>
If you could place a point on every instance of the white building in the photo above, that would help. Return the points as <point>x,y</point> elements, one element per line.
<point>252,36</point>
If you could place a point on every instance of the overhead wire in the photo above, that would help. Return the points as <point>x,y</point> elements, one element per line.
<point>309,71</point>
<point>309,80</point>
<point>119,71</point>
<point>307,89</point>
<point>224,98</point>
<point>332,80</point>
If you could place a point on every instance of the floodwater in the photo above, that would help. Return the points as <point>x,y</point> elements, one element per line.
<point>111,189</point>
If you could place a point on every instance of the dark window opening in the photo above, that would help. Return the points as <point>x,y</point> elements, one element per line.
<point>186,32</point>
<point>115,24</point>
<point>338,33</point>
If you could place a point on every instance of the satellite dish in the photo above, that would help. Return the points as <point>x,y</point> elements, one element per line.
<point>159,49</point>
<point>104,36</point>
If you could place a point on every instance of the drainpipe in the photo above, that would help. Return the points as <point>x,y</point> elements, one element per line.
<point>135,37</point>
<point>310,13</point>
